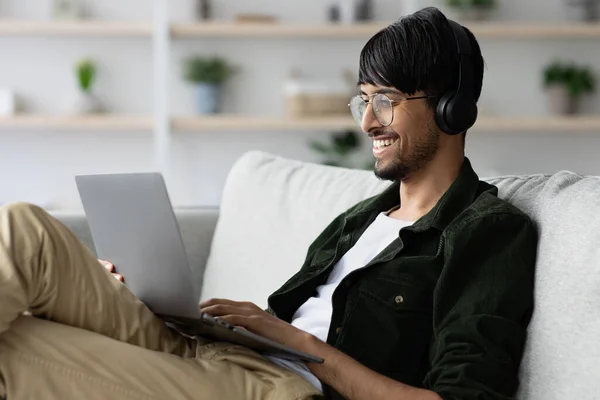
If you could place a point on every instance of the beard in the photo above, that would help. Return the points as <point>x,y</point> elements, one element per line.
<point>399,167</point>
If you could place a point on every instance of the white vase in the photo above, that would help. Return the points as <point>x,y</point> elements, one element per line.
<point>559,101</point>
<point>348,11</point>
<point>86,103</point>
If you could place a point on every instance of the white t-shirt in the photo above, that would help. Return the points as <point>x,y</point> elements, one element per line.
<point>314,316</point>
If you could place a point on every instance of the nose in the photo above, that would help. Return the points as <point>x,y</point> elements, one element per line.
<point>369,121</point>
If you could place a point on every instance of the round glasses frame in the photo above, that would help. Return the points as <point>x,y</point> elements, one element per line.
<point>393,103</point>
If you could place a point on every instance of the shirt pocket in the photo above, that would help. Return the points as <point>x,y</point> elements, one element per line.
<point>389,328</point>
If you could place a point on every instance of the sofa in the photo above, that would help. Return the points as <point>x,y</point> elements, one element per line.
<point>272,208</point>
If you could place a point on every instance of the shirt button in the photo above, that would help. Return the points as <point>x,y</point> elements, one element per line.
<point>337,330</point>
<point>399,299</point>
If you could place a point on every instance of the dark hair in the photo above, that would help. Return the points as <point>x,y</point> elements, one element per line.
<point>418,52</point>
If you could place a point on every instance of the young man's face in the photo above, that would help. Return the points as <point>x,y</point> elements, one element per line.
<point>410,140</point>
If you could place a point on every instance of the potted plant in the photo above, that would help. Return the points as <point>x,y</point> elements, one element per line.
<point>208,74</point>
<point>86,102</point>
<point>565,84</point>
<point>342,151</point>
<point>471,10</point>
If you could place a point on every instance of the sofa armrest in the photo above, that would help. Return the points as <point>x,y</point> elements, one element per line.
<point>77,223</point>
<point>197,227</point>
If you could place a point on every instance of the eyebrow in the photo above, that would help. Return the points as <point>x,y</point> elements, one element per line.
<point>383,91</point>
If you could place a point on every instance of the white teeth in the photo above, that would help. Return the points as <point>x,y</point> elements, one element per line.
<point>383,143</point>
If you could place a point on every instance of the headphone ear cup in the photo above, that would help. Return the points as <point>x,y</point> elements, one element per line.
<point>455,113</point>
<point>441,114</point>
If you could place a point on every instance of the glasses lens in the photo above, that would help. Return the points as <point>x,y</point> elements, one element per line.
<point>383,110</point>
<point>358,107</point>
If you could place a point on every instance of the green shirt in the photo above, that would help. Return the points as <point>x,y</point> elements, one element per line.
<point>445,306</point>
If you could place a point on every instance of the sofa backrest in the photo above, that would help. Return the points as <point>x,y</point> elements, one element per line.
<point>272,208</point>
<point>562,354</point>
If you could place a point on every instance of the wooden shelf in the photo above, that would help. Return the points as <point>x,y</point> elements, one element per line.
<point>92,122</point>
<point>539,124</point>
<point>243,123</point>
<point>274,30</point>
<point>492,124</point>
<point>364,30</point>
<point>74,28</point>
<point>224,29</point>
<point>248,123</point>
<point>534,30</point>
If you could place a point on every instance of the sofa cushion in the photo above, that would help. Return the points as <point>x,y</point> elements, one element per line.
<point>562,353</point>
<point>271,210</point>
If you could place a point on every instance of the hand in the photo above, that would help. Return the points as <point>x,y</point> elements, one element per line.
<point>111,268</point>
<point>250,316</point>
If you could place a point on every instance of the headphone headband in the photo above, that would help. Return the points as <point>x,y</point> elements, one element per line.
<point>456,111</point>
<point>465,68</point>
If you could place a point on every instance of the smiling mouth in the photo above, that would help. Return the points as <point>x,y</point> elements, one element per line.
<point>381,144</point>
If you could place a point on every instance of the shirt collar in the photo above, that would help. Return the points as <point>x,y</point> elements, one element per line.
<point>455,200</point>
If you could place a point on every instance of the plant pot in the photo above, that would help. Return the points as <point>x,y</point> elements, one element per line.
<point>473,13</point>
<point>348,11</point>
<point>583,11</point>
<point>560,102</point>
<point>87,103</point>
<point>208,98</point>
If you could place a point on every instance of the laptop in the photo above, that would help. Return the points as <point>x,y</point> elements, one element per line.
<point>133,225</point>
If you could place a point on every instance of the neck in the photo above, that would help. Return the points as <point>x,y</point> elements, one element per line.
<point>421,191</point>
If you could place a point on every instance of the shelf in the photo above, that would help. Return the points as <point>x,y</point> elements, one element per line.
<point>244,123</point>
<point>75,28</point>
<point>364,30</point>
<point>275,30</point>
<point>224,29</point>
<point>495,124</point>
<point>535,30</point>
<point>539,124</point>
<point>92,122</point>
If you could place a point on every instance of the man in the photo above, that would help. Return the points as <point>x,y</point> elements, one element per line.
<point>422,292</point>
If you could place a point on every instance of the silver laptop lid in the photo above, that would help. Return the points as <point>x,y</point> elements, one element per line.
<point>133,226</point>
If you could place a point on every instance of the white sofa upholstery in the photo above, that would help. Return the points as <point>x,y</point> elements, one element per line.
<point>272,208</point>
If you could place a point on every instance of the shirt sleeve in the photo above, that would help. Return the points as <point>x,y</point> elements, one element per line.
<point>483,303</point>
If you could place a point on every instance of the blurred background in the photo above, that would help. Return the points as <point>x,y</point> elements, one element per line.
<point>185,87</point>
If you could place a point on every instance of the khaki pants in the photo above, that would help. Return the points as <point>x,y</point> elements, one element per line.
<point>90,338</point>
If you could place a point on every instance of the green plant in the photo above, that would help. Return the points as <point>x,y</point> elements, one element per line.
<point>554,73</point>
<point>213,70</point>
<point>341,151</point>
<point>471,3</point>
<point>578,80</point>
<point>581,80</point>
<point>86,73</point>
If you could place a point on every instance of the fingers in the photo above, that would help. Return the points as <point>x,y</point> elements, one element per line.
<point>219,310</point>
<point>108,265</point>
<point>240,304</point>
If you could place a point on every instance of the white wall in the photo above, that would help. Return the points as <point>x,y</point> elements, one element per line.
<point>39,166</point>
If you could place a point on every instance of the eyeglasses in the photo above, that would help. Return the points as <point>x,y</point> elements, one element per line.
<point>381,105</point>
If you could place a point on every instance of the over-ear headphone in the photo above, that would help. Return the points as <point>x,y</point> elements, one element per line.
<point>457,110</point>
